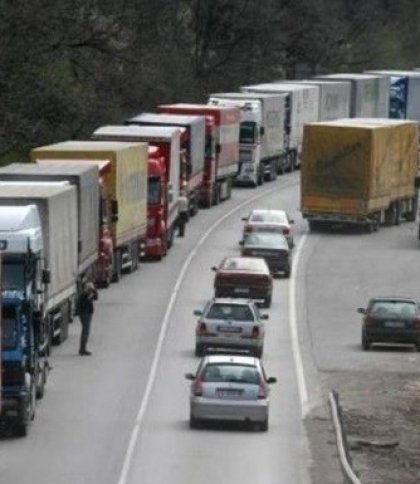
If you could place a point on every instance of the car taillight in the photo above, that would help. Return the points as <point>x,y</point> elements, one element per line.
<point>369,321</point>
<point>202,329</point>
<point>286,230</point>
<point>255,332</point>
<point>262,391</point>
<point>246,252</point>
<point>248,228</point>
<point>198,387</point>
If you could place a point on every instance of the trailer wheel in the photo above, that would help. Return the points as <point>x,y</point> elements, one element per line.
<point>116,260</point>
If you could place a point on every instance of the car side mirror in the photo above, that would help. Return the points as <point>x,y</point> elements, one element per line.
<point>291,221</point>
<point>197,312</point>
<point>271,379</point>
<point>264,316</point>
<point>190,376</point>
<point>241,242</point>
<point>214,269</point>
<point>244,219</point>
<point>361,310</point>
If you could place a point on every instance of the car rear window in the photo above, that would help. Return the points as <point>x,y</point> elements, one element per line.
<point>230,311</point>
<point>385,308</point>
<point>272,240</point>
<point>230,373</point>
<point>245,264</point>
<point>269,217</point>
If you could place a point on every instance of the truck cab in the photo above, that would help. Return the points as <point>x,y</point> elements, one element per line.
<point>25,344</point>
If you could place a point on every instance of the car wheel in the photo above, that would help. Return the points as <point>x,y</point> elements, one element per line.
<point>194,422</point>
<point>199,349</point>
<point>418,346</point>
<point>365,343</point>
<point>267,301</point>
<point>264,425</point>
<point>258,352</point>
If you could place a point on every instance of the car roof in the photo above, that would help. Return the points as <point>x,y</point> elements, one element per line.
<point>267,210</point>
<point>252,264</point>
<point>393,298</point>
<point>236,359</point>
<point>230,300</point>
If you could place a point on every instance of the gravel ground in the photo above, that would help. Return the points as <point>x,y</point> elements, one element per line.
<point>381,417</point>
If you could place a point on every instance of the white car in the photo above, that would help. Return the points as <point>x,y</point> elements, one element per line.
<point>230,388</point>
<point>267,220</point>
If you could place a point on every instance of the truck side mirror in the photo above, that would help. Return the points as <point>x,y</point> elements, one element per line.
<point>361,310</point>
<point>114,210</point>
<point>262,130</point>
<point>46,276</point>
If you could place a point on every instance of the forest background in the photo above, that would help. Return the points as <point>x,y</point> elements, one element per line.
<point>67,67</point>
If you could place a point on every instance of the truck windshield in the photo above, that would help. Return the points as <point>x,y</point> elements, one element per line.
<point>13,275</point>
<point>9,334</point>
<point>153,190</point>
<point>247,132</point>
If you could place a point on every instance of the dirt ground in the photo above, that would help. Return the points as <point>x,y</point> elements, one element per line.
<point>381,416</point>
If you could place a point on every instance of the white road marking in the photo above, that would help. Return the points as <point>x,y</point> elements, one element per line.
<point>123,479</point>
<point>297,355</point>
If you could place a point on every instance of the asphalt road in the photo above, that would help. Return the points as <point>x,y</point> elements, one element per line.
<point>120,416</point>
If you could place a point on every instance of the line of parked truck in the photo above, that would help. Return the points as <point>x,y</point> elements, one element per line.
<point>93,209</point>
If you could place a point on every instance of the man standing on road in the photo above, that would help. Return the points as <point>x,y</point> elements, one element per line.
<point>183,213</point>
<point>85,310</point>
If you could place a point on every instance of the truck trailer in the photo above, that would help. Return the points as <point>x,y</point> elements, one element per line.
<point>301,107</point>
<point>369,96</point>
<point>193,148</point>
<point>263,150</point>
<point>163,212</point>
<point>359,171</point>
<point>221,162</point>
<point>126,182</point>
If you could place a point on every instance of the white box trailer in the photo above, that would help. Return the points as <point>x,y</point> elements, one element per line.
<point>302,103</point>
<point>57,207</point>
<point>268,112</point>
<point>334,98</point>
<point>369,94</point>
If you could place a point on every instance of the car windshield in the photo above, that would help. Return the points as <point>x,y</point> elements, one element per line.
<point>230,373</point>
<point>230,311</point>
<point>388,308</point>
<point>264,239</point>
<point>269,217</point>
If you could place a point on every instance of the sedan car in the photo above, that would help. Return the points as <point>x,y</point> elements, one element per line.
<point>265,220</point>
<point>273,247</point>
<point>391,320</point>
<point>227,387</point>
<point>247,277</point>
<point>230,323</point>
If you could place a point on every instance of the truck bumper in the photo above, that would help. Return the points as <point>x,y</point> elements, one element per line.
<point>153,247</point>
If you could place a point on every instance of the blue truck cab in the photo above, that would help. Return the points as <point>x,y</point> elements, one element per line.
<point>25,345</point>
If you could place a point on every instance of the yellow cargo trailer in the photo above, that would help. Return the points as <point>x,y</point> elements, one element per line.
<point>126,186</point>
<point>359,171</point>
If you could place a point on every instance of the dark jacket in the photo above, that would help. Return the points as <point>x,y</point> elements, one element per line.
<point>85,302</point>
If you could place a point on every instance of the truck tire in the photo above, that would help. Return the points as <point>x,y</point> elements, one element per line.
<point>216,199</point>
<point>199,350</point>
<point>134,257</point>
<point>116,261</point>
<point>267,301</point>
<point>27,412</point>
<point>260,179</point>
<point>228,189</point>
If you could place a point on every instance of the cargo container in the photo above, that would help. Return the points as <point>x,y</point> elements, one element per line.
<point>404,93</point>
<point>85,179</point>
<point>126,182</point>
<point>164,162</point>
<point>359,171</point>
<point>221,162</point>
<point>334,98</point>
<point>193,146</point>
<point>369,96</point>
<point>301,107</point>
<point>263,150</point>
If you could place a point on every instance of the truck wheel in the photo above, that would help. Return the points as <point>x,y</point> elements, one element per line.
<point>267,301</point>
<point>116,273</point>
<point>260,179</point>
<point>134,257</point>
<point>216,199</point>
<point>228,189</point>
<point>264,425</point>
<point>258,352</point>
<point>171,237</point>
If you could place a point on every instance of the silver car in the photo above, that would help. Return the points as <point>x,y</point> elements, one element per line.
<point>230,388</point>
<point>233,323</point>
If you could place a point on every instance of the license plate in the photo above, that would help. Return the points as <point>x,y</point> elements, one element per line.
<point>394,324</point>
<point>229,329</point>
<point>228,393</point>
<point>241,290</point>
